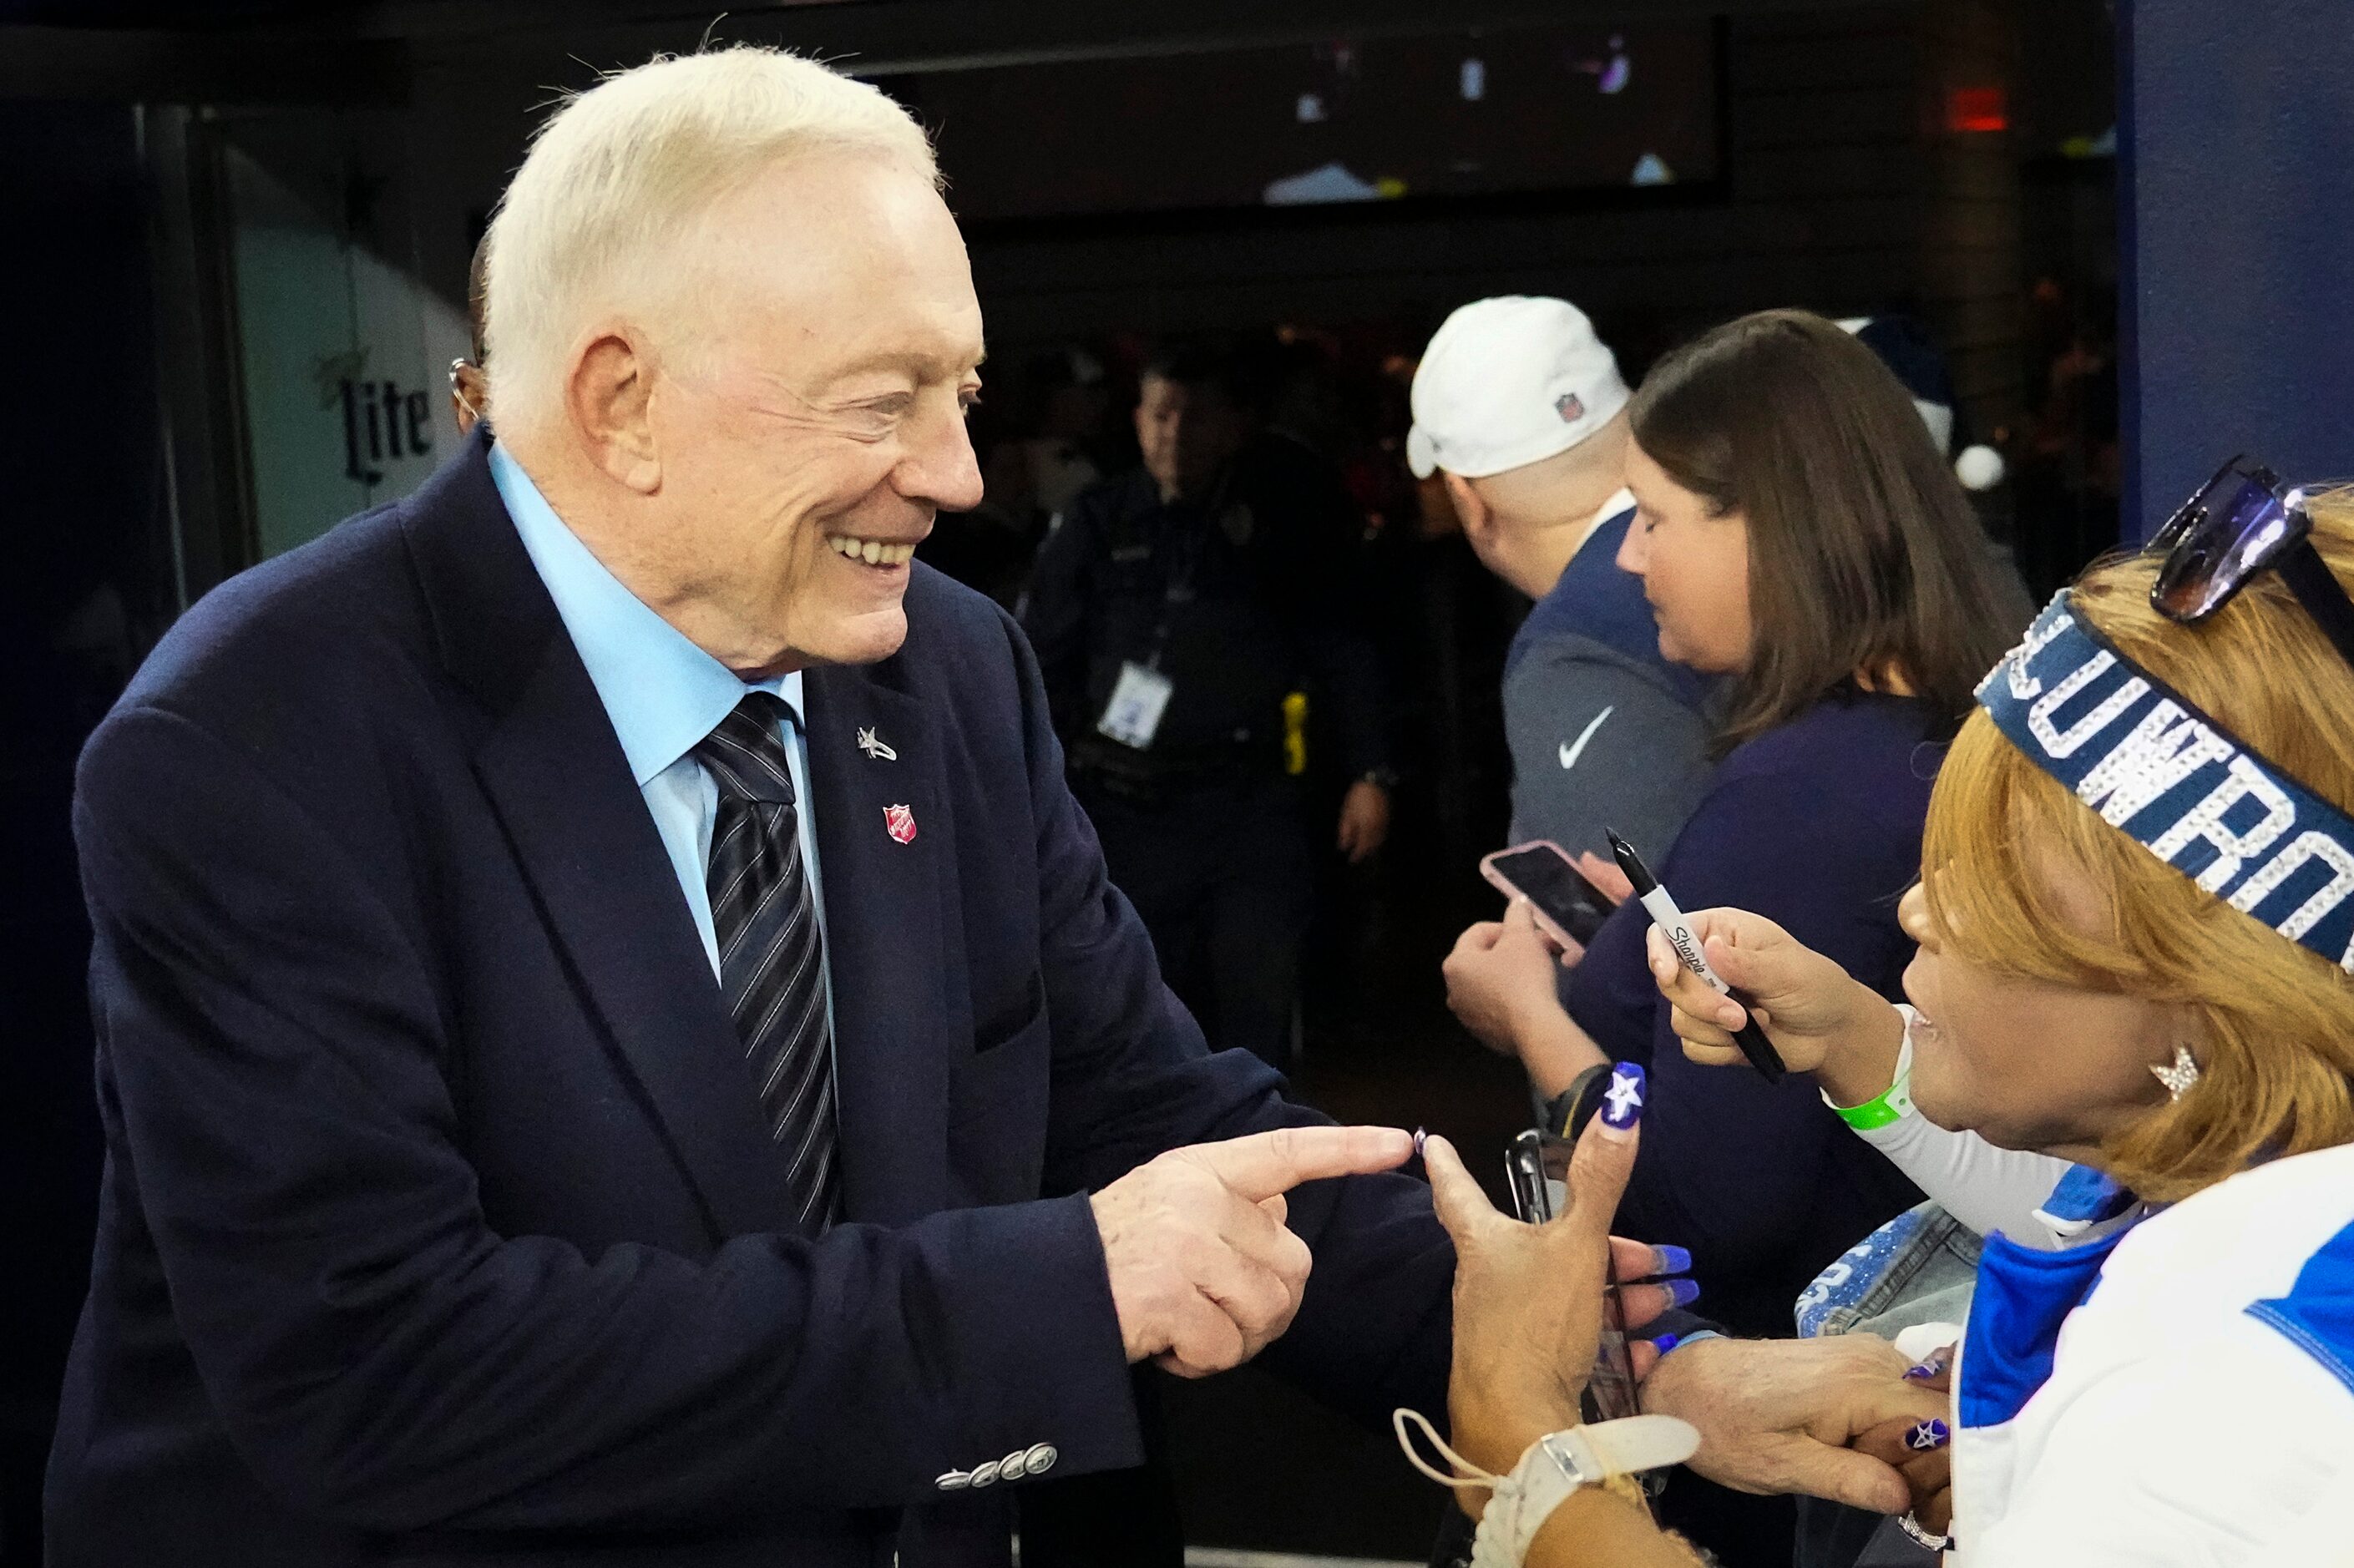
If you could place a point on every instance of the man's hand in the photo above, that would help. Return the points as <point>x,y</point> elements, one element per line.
<point>1364,820</point>
<point>1204,1274</point>
<point>1776,1415</point>
<point>1501,977</point>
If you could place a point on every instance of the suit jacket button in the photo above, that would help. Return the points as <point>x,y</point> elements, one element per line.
<point>1011,1467</point>
<point>1040,1460</point>
<point>984,1474</point>
<point>954,1481</point>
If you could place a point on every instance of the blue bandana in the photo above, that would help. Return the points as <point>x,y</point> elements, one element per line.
<point>2175,781</point>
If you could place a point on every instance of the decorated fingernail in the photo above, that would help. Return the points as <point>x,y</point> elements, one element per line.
<point>1684,1292</point>
<point>1418,1136</point>
<point>1928,1435</point>
<point>1667,1342</point>
<point>1673,1259</point>
<point>1932,1367</point>
<point>1622,1102</point>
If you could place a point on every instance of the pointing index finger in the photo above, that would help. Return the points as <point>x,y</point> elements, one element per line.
<point>1258,1167</point>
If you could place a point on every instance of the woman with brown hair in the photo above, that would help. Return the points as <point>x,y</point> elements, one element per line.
<point>1799,533</point>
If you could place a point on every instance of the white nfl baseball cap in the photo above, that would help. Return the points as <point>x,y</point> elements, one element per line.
<point>1508,382</point>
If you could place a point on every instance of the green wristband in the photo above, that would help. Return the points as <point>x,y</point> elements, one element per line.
<point>1893,1104</point>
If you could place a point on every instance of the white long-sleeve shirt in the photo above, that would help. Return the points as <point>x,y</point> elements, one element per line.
<point>2198,1410</point>
<point>1987,1187</point>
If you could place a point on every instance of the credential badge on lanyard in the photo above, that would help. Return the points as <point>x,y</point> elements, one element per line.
<point>1141,697</point>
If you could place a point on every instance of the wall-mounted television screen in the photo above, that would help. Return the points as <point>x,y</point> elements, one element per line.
<point>1445,114</point>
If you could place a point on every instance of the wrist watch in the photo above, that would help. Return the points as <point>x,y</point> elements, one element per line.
<point>1567,1114</point>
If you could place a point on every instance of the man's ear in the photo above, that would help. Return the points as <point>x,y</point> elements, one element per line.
<point>470,394</point>
<point>609,399</point>
<point>1470,510</point>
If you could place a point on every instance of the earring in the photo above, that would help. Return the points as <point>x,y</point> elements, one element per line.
<point>2180,1075</point>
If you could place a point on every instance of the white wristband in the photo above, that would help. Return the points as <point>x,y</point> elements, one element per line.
<point>1519,1507</point>
<point>1554,1467</point>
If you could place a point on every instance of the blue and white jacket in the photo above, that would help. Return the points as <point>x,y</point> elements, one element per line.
<point>2177,1390</point>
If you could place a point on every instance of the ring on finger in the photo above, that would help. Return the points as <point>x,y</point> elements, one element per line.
<point>1922,1534</point>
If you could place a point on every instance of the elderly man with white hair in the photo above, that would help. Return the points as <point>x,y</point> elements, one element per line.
<point>615,1042</point>
<point>615,1046</point>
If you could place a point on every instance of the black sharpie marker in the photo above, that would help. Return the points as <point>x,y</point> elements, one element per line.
<point>1671,919</point>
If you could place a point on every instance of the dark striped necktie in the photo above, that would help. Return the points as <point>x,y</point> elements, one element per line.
<point>772,953</point>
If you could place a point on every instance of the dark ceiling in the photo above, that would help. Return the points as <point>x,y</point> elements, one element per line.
<point>262,51</point>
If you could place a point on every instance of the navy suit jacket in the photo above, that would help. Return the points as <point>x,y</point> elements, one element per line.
<point>438,1221</point>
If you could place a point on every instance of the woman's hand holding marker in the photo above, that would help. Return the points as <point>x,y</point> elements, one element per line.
<point>1819,1019</point>
<point>1670,922</point>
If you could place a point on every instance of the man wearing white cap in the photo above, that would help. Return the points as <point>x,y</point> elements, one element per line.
<point>1521,408</point>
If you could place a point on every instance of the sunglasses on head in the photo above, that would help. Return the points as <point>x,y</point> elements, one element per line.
<point>2240,523</point>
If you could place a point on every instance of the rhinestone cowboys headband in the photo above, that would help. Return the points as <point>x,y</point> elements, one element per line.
<point>2177,783</point>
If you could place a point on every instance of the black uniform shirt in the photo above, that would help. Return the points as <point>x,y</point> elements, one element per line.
<point>1240,596</point>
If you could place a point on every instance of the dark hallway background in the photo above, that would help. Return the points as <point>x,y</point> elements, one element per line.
<point>83,570</point>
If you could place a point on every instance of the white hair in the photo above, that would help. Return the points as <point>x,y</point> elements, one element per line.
<point>594,215</point>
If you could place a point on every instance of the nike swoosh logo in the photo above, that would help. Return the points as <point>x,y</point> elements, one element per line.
<point>1572,750</point>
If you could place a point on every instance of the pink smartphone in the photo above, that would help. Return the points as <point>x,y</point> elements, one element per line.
<point>1568,908</point>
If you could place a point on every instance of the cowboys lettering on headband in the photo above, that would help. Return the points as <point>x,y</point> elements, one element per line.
<point>2177,782</point>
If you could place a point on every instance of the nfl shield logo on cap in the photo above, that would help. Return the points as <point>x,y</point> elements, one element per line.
<point>1493,373</point>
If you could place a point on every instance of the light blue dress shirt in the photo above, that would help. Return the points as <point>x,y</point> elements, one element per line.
<point>663,694</point>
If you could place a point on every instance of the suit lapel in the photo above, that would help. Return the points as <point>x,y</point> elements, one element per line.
<point>555,773</point>
<point>556,776</point>
<point>883,910</point>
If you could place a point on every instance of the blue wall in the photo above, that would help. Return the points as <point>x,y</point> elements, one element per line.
<point>2237,222</point>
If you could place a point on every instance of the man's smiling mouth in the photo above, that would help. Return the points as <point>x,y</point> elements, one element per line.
<point>873,552</point>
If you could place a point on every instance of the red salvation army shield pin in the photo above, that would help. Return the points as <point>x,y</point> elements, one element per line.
<point>899,822</point>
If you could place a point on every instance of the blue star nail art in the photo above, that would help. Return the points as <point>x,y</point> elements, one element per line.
<point>1928,1435</point>
<point>1622,1102</point>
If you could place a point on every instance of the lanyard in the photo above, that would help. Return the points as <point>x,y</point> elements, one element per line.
<point>1177,583</point>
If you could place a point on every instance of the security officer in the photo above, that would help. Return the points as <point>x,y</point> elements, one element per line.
<point>1175,611</point>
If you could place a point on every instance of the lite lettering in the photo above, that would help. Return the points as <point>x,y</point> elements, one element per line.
<point>381,422</point>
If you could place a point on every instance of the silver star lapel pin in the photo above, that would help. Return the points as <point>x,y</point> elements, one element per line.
<point>875,749</point>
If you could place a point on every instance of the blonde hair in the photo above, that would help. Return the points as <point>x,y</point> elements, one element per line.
<point>593,216</point>
<point>2278,1017</point>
